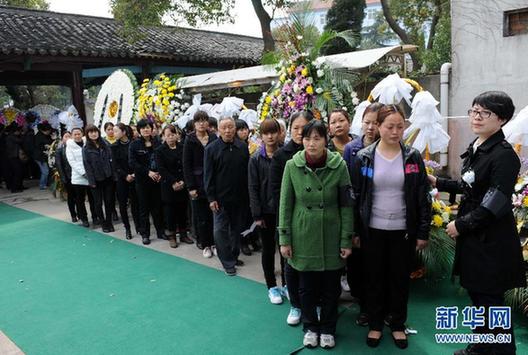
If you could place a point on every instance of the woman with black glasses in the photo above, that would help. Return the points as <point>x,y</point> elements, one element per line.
<point>488,255</point>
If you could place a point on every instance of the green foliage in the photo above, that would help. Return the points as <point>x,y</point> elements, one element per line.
<point>439,255</point>
<point>378,34</point>
<point>135,13</point>
<point>28,4</point>
<point>518,299</point>
<point>441,52</point>
<point>344,15</point>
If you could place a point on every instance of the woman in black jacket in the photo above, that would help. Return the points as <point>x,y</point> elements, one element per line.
<point>174,196</point>
<point>97,158</point>
<point>297,122</point>
<point>141,160</point>
<point>193,160</point>
<point>125,177</point>
<point>260,201</point>
<point>394,208</point>
<point>488,255</point>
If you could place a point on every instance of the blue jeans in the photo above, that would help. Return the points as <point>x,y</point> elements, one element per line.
<point>229,222</point>
<point>44,172</point>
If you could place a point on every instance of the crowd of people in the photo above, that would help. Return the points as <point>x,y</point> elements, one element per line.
<point>340,207</point>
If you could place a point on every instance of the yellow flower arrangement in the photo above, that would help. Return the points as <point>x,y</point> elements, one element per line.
<point>160,99</point>
<point>437,220</point>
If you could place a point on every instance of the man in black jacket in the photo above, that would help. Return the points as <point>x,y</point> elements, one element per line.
<point>225,182</point>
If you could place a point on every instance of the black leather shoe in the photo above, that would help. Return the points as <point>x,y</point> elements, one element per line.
<point>146,240</point>
<point>362,320</point>
<point>374,342</point>
<point>106,229</point>
<point>128,234</point>
<point>400,343</point>
<point>85,223</point>
<point>111,228</point>
<point>245,250</point>
<point>239,263</point>
<point>74,220</point>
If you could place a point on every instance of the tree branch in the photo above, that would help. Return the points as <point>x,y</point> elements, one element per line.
<point>265,25</point>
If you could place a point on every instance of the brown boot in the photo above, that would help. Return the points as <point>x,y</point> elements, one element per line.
<point>172,241</point>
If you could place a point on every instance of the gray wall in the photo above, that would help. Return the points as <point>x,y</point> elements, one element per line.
<point>482,58</point>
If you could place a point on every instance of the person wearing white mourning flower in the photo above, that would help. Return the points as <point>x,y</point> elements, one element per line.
<point>488,255</point>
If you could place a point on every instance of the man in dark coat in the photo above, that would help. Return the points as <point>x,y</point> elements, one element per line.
<point>226,185</point>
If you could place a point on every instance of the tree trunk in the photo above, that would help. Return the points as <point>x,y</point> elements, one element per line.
<point>434,22</point>
<point>265,25</point>
<point>399,31</point>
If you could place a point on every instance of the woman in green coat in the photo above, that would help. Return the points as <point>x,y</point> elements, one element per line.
<point>315,230</point>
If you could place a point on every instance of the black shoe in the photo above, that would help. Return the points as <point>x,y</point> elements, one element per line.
<point>74,220</point>
<point>85,223</point>
<point>199,246</point>
<point>373,342</point>
<point>146,240</point>
<point>97,222</point>
<point>111,228</point>
<point>128,234</point>
<point>239,263</point>
<point>400,343</point>
<point>106,229</point>
<point>256,245</point>
<point>162,235</point>
<point>185,239</point>
<point>230,272</point>
<point>362,320</point>
<point>245,250</point>
<point>471,349</point>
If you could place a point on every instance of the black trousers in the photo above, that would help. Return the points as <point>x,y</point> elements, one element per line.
<point>70,192</point>
<point>126,192</point>
<point>14,175</point>
<point>356,277</point>
<point>175,216</point>
<point>229,222</point>
<point>292,281</point>
<point>149,199</point>
<point>388,257</point>
<point>203,221</point>
<point>80,196</point>
<point>104,192</point>
<point>269,249</point>
<point>320,288</point>
<point>486,301</point>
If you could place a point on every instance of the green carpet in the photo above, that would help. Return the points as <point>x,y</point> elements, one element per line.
<point>68,290</point>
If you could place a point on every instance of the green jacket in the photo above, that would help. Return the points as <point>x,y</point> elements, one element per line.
<point>315,214</point>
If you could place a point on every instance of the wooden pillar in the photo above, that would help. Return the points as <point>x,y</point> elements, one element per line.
<point>77,94</point>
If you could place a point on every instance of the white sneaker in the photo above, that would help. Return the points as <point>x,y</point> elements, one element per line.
<point>213,249</point>
<point>344,284</point>
<point>274,295</point>
<point>310,339</point>
<point>327,341</point>
<point>294,317</point>
<point>207,253</point>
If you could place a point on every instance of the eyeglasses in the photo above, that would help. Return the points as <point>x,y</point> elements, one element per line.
<point>485,114</point>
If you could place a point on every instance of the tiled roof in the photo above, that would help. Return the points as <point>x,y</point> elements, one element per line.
<point>37,32</point>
